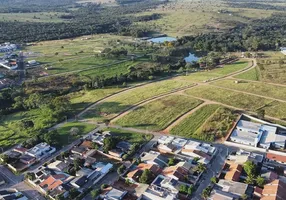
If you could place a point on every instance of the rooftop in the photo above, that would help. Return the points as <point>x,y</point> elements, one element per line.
<point>274,191</point>
<point>115,194</point>
<point>236,188</point>
<point>234,172</point>
<point>276,157</point>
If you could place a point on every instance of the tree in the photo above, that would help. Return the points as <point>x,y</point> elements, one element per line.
<point>213,180</point>
<point>52,138</point>
<point>95,193</point>
<point>145,177</point>
<point>171,162</point>
<point>244,196</point>
<point>4,158</point>
<point>260,181</point>
<point>109,143</point>
<point>104,186</point>
<point>206,192</point>
<point>201,167</point>
<point>250,179</point>
<point>249,167</point>
<point>121,169</point>
<point>190,190</point>
<point>183,189</point>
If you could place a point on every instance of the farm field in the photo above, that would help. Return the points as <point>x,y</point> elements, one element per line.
<point>189,126</point>
<point>80,100</point>
<point>252,74</point>
<point>215,73</point>
<point>73,130</point>
<point>263,89</point>
<point>158,114</point>
<point>130,136</point>
<point>209,123</point>
<point>119,103</point>
<point>239,100</point>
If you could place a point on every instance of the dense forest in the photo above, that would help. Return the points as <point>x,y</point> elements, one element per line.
<point>263,34</point>
<point>87,19</point>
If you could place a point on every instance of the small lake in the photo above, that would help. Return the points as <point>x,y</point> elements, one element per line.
<point>191,58</point>
<point>162,39</point>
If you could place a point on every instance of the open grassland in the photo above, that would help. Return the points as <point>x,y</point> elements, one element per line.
<point>264,89</point>
<point>252,74</point>
<point>215,73</point>
<point>32,17</point>
<point>239,100</point>
<point>158,114</point>
<point>179,18</point>
<point>80,100</point>
<point>129,136</point>
<point>73,130</point>
<point>119,103</point>
<point>189,126</point>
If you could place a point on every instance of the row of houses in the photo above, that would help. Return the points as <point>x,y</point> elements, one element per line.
<point>7,47</point>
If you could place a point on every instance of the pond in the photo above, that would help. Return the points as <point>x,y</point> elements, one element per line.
<point>191,58</point>
<point>162,39</point>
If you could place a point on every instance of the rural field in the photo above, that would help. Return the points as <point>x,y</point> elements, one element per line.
<point>252,74</point>
<point>32,17</point>
<point>209,123</point>
<point>158,114</point>
<point>216,73</point>
<point>113,106</point>
<point>267,90</point>
<point>239,100</point>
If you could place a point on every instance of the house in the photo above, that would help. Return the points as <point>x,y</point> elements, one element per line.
<point>274,190</point>
<point>58,165</point>
<point>153,157</point>
<point>175,172</point>
<point>115,194</point>
<point>135,174</point>
<point>166,148</point>
<point>179,142</point>
<point>84,172</point>
<point>237,189</point>
<point>276,158</point>
<point>40,150</point>
<point>80,150</point>
<point>78,182</point>
<point>234,172</point>
<point>242,158</point>
<point>220,195</point>
<point>257,192</point>
<point>124,146</point>
<point>87,144</point>
<point>116,153</point>
<point>89,161</point>
<point>53,181</point>
<point>165,139</point>
<point>27,159</point>
<point>20,150</point>
<point>203,157</point>
<point>270,138</point>
<point>269,176</point>
<point>185,165</point>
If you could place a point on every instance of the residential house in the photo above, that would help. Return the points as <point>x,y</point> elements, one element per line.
<point>165,139</point>
<point>80,150</point>
<point>123,146</point>
<point>87,144</point>
<point>166,148</point>
<point>153,157</point>
<point>234,172</point>
<point>115,194</point>
<point>175,172</point>
<point>185,165</point>
<point>54,181</point>
<point>40,150</point>
<point>274,190</point>
<point>269,176</point>
<point>78,182</point>
<point>58,165</point>
<point>221,195</point>
<point>27,159</point>
<point>116,153</point>
<point>20,150</point>
<point>179,142</point>
<point>135,174</point>
<point>204,158</point>
<point>271,157</point>
<point>237,189</point>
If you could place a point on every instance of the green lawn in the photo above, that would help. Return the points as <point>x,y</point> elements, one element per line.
<point>158,114</point>
<point>32,17</point>
<point>252,74</point>
<point>80,100</point>
<point>240,100</point>
<point>117,104</point>
<point>263,89</point>
<point>188,127</point>
<point>130,136</point>
<point>215,73</point>
<point>65,135</point>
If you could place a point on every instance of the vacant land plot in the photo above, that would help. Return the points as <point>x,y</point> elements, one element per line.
<point>253,74</point>
<point>239,100</point>
<point>215,73</point>
<point>158,114</point>
<point>263,89</point>
<point>32,17</point>
<point>189,126</point>
<point>130,136</point>
<point>82,99</point>
<point>72,131</point>
<point>119,103</point>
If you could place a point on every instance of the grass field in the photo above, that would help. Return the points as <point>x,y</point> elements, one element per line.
<point>80,100</point>
<point>129,136</point>
<point>117,104</point>
<point>252,74</point>
<point>189,126</point>
<point>158,114</point>
<point>263,89</point>
<point>32,17</point>
<point>215,73</point>
<point>65,134</point>
<point>240,100</point>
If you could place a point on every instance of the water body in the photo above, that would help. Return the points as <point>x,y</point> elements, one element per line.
<point>191,58</point>
<point>162,39</point>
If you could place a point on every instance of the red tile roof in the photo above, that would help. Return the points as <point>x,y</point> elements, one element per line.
<point>234,172</point>
<point>274,191</point>
<point>176,171</point>
<point>279,158</point>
